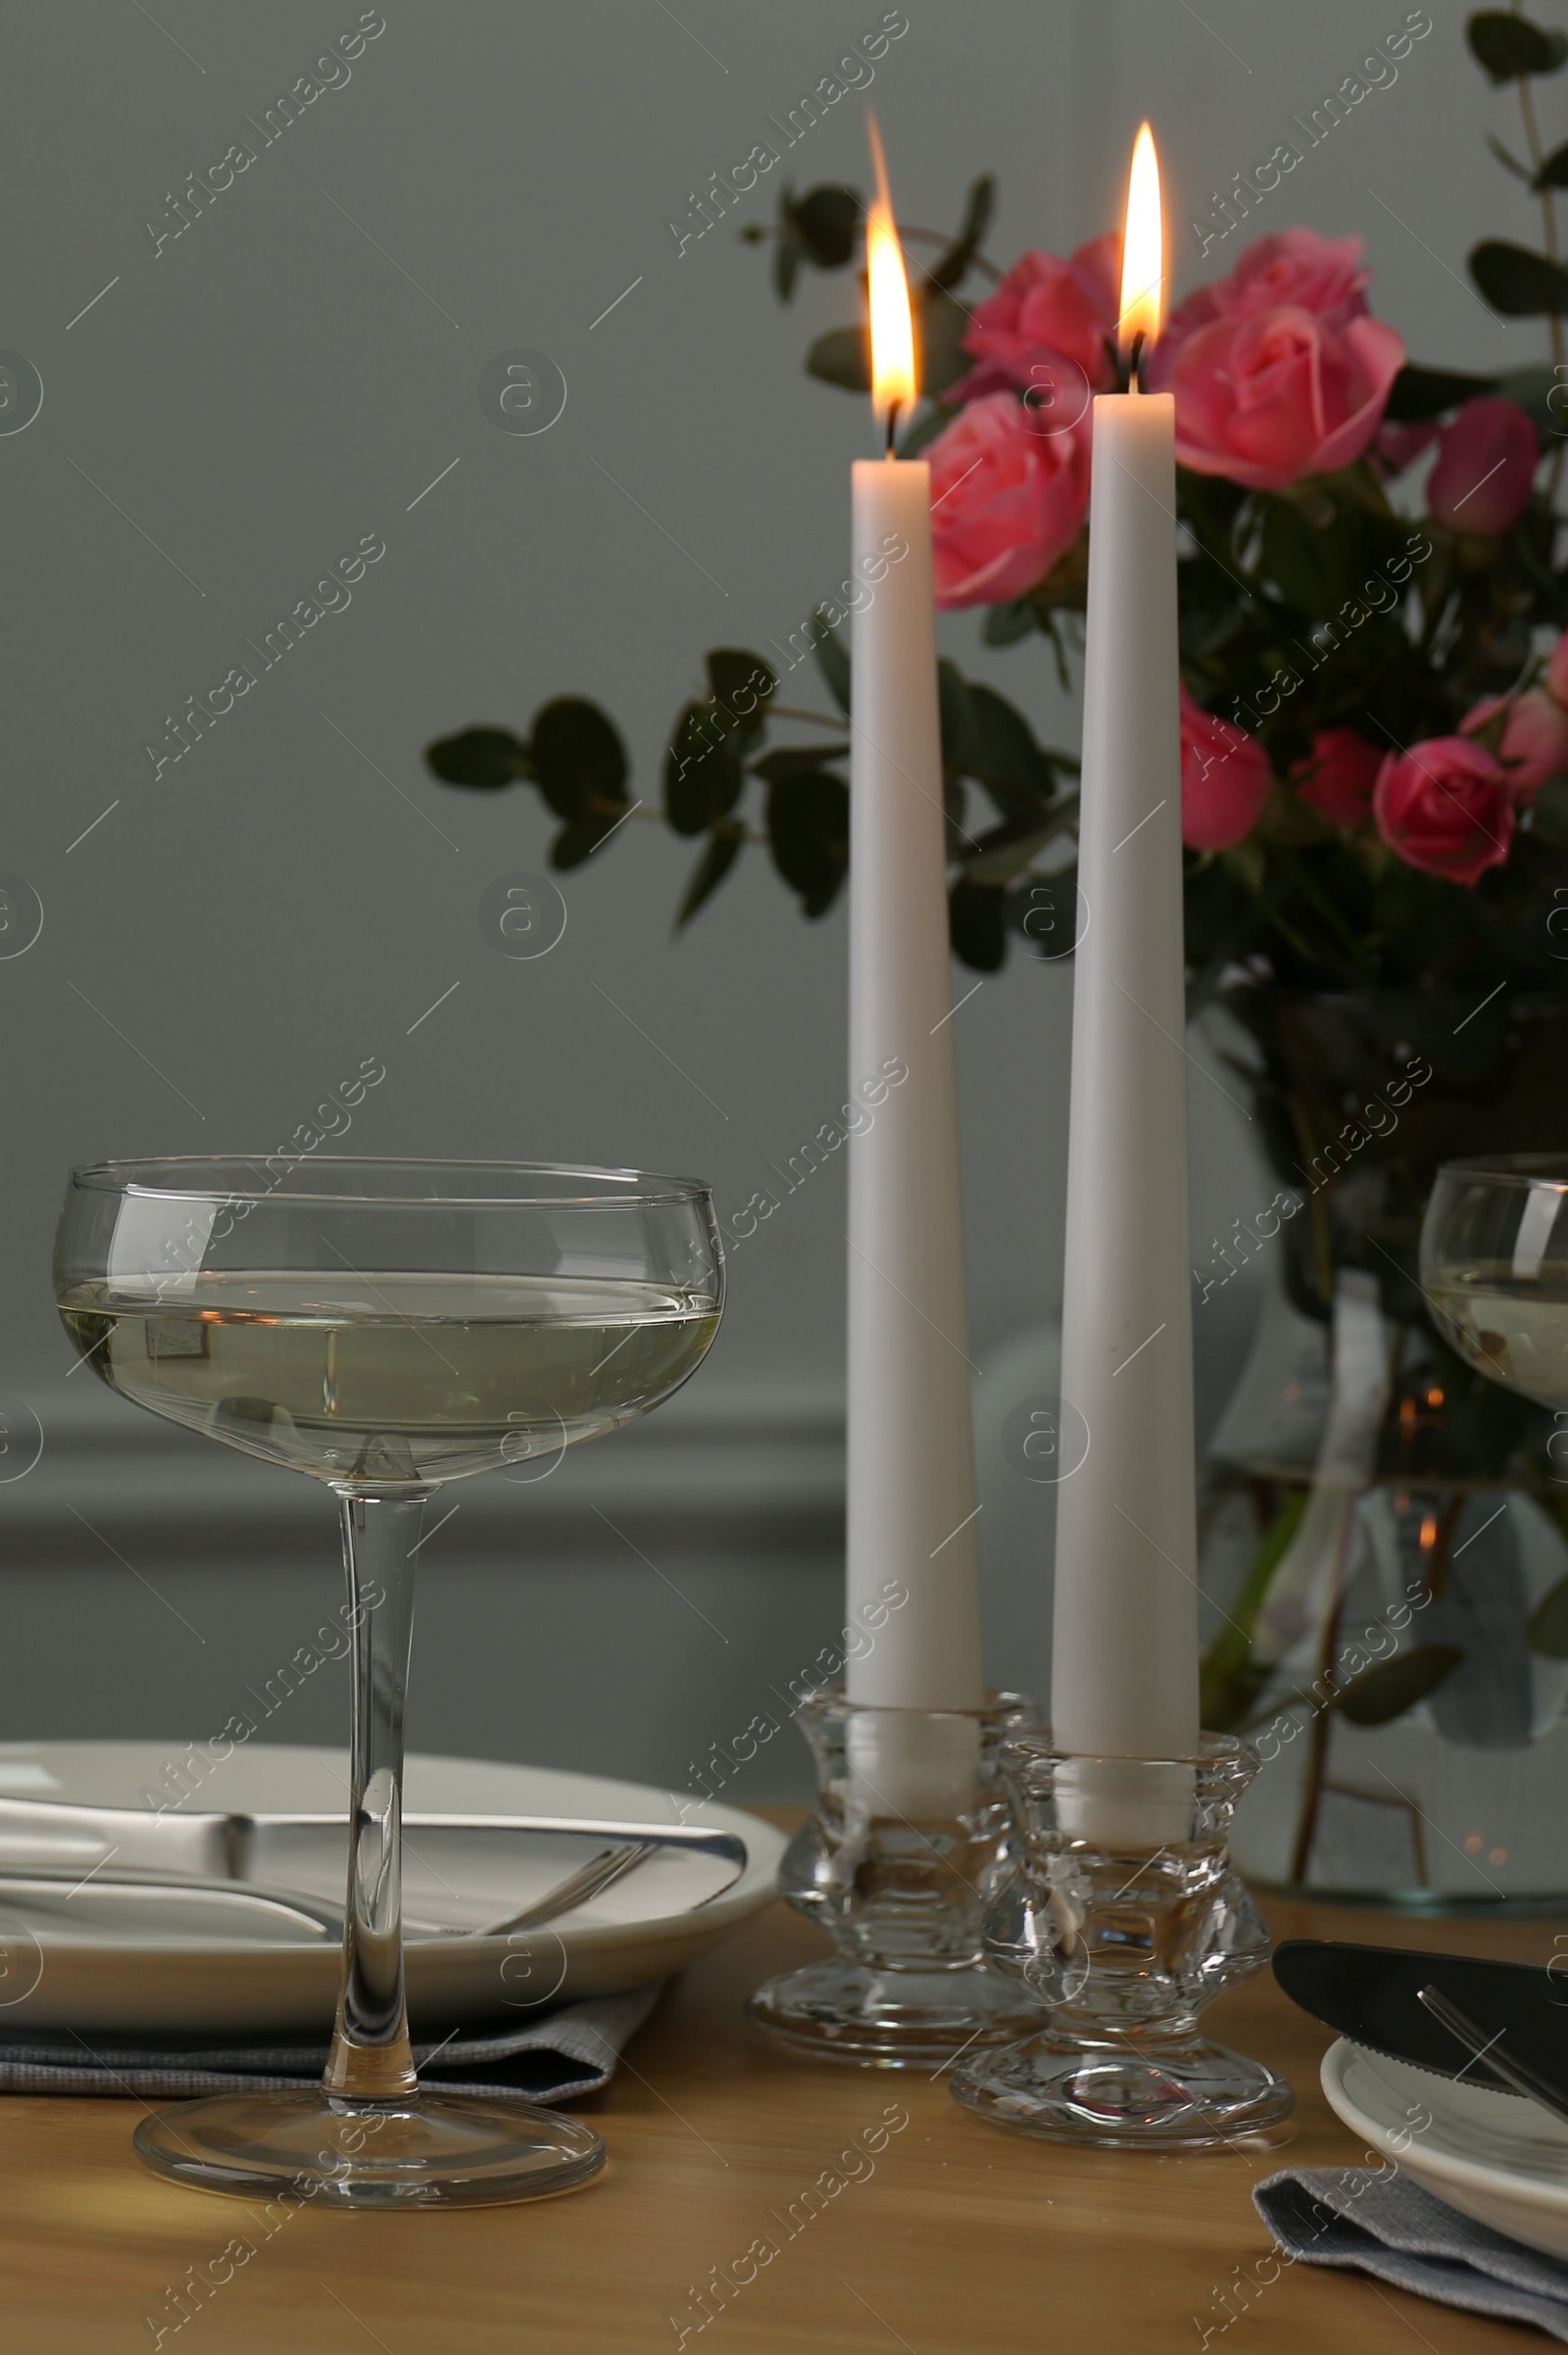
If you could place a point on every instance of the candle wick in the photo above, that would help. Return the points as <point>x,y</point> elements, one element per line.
<point>1135,363</point>
<point>892,427</point>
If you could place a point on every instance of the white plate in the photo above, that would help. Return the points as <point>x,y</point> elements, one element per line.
<point>1492,2156</point>
<point>81,1970</point>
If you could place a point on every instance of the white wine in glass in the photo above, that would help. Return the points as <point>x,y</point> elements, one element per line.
<point>1495,1268</point>
<point>385,1327</point>
<point>440,1375</point>
<point>1513,1330</point>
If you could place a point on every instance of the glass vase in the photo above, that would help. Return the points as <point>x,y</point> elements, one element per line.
<point>1387,1615</point>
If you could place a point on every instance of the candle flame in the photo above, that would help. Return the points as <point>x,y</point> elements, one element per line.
<point>1143,251</point>
<point>893,372</point>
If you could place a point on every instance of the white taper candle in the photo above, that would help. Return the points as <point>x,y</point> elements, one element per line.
<point>911,1487</point>
<point>1124,1671</point>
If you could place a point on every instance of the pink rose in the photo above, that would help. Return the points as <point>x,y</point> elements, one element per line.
<point>1046,308</point>
<point>1557,670</point>
<point>1299,270</point>
<point>1268,398</point>
<point>1484,467</point>
<point>1338,776</point>
<point>1534,737</point>
<point>1007,501</point>
<point>1225,779</point>
<point>1446,808</point>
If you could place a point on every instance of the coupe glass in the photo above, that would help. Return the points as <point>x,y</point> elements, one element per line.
<point>385,1327</point>
<point>1494,1269</point>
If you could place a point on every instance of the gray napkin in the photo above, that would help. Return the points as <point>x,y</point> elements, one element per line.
<point>558,2057</point>
<point>1387,2225</point>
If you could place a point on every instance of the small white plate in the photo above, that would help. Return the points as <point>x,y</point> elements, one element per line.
<point>108,1968</point>
<point>1492,2156</point>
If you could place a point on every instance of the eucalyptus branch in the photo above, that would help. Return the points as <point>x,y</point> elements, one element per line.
<point>1548,219</point>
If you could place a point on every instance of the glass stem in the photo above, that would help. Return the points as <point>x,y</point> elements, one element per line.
<point>372,2058</point>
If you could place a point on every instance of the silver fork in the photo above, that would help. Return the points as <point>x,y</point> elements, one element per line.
<point>588,1880</point>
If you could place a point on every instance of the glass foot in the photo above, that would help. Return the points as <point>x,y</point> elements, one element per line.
<point>425,2150</point>
<point>1190,2095</point>
<point>839,2011</point>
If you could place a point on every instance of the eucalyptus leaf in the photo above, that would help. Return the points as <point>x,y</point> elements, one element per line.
<point>843,356</point>
<point>486,758</point>
<point>953,704</point>
<point>809,835</point>
<point>1382,1693</point>
<point>1420,393</point>
<point>741,683</point>
<point>579,839</point>
<point>941,324</point>
<point>1509,46</point>
<point>703,772</point>
<point>952,267</point>
<point>1517,282</point>
<point>999,861</point>
<point>723,850</point>
<point>1006,624</point>
<point>580,759</point>
<point>1009,850</point>
<point>977,922</point>
<point>826,221</point>
<point>1001,752</point>
<point>1553,173</point>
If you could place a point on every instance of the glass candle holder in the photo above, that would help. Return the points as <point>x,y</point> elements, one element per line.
<point>911,1836</point>
<point>1124,1919</point>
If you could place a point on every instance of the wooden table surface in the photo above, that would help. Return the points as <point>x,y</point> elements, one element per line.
<point>947,2238</point>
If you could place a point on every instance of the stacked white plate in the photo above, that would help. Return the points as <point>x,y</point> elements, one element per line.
<point>105,1937</point>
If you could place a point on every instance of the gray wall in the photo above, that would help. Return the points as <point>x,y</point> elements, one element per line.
<point>292,372</point>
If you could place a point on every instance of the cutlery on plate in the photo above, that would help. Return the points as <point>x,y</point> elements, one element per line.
<point>586,1881</point>
<point>1374,1995</point>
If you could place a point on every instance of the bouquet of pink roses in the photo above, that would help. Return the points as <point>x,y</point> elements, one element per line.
<point>1375,709</point>
<point>1375,698</point>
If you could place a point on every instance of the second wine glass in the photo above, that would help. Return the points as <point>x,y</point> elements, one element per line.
<point>1494,1269</point>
